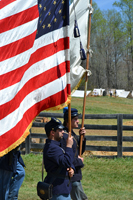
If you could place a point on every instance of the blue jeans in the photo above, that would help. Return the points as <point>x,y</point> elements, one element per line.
<point>16,182</point>
<point>61,197</point>
<point>5,179</point>
<point>10,183</point>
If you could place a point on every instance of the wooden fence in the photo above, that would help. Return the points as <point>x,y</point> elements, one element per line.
<point>119,138</point>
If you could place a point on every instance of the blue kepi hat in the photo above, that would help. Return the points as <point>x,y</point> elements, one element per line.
<point>74,112</point>
<point>53,124</point>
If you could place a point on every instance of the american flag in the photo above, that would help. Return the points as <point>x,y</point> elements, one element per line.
<point>34,64</point>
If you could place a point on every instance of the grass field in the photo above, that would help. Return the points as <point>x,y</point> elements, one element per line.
<point>103,179</point>
<point>103,105</point>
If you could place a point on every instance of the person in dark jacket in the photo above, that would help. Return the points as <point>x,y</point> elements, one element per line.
<point>77,192</point>
<point>56,159</point>
<point>12,174</point>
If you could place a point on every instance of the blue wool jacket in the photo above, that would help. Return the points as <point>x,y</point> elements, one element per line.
<point>78,164</point>
<point>54,157</point>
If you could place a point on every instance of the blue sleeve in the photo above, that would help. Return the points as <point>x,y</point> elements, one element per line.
<point>83,145</point>
<point>57,156</point>
<point>78,162</point>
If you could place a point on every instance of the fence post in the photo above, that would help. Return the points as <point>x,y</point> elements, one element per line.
<point>27,144</point>
<point>119,135</point>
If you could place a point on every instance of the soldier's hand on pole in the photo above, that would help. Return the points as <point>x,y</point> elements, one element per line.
<point>70,172</point>
<point>82,132</point>
<point>81,158</point>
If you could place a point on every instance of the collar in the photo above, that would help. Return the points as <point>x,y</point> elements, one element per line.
<point>52,142</point>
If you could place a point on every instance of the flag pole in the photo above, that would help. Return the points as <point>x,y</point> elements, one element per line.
<point>86,80</point>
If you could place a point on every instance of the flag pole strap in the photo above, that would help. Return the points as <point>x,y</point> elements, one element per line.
<point>86,80</point>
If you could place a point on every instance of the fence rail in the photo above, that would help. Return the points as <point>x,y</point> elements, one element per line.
<point>119,138</point>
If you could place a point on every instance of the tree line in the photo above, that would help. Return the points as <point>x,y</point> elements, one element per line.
<point>112,45</point>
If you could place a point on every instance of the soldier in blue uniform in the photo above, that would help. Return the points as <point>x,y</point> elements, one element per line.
<point>12,174</point>
<point>77,192</point>
<point>55,157</point>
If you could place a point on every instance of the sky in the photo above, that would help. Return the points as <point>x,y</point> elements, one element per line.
<point>105,4</point>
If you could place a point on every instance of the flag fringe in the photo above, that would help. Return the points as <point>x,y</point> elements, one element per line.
<point>27,132</point>
<point>61,106</point>
<point>18,142</point>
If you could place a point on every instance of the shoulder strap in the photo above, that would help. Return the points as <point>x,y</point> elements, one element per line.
<point>42,169</point>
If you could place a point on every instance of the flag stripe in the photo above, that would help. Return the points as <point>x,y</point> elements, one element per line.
<point>40,54</point>
<point>19,60</point>
<point>17,47</point>
<point>16,7</point>
<point>31,85</point>
<point>5,3</point>
<point>18,33</point>
<point>8,93</point>
<point>15,62</point>
<point>11,22</point>
<point>53,101</point>
<point>31,99</point>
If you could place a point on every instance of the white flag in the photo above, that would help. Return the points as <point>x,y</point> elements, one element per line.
<point>82,16</point>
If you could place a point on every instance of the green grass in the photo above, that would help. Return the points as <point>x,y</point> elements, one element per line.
<point>108,179</point>
<point>102,105</point>
<point>103,179</point>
